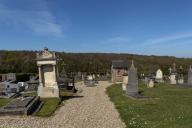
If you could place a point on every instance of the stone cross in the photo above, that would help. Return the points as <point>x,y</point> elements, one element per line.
<point>174,67</point>
<point>170,70</point>
<point>132,86</point>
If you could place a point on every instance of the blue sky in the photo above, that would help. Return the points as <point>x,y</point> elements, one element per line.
<point>158,27</point>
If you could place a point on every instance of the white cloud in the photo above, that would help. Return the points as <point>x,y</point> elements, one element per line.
<point>39,19</point>
<point>118,39</point>
<point>168,38</point>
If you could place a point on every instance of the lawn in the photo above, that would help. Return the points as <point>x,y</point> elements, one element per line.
<point>49,104</point>
<point>170,107</point>
<point>49,107</point>
<point>3,102</point>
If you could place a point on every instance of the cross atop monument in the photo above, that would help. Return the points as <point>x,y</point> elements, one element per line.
<point>174,67</point>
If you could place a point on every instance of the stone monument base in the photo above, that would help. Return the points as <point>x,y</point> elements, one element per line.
<point>21,106</point>
<point>173,82</point>
<point>45,92</point>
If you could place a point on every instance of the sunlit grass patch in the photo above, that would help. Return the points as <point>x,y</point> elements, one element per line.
<point>170,106</point>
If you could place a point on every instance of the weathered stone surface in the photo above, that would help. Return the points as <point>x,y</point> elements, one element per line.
<point>20,106</point>
<point>173,79</point>
<point>190,77</point>
<point>132,87</point>
<point>125,82</point>
<point>48,77</point>
<point>118,68</point>
<point>180,79</point>
<point>48,91</point>
<point>150,84</point>
<point>159,75</point>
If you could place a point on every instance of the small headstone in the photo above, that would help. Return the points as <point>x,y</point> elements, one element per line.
<point>11,76</point>
<point>180,81</point>
<point>21,106</point>
<point>90,77</point>
<point>173,79</point>
<point>159,76</point>
<point>150,84</point>
<point>132,87</point>
<point>190,77</point>
<point>125,82</point>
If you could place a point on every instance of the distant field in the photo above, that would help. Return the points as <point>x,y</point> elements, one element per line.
<point>171,107</point>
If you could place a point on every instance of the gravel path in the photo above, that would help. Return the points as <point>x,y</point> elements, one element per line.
<point>90,109</point>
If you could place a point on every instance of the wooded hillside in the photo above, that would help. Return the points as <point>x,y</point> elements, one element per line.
<point>24,62</point>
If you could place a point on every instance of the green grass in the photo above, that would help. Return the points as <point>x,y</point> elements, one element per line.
<point>3,102</point>
<point>170,107</point>
<point>49,107</point>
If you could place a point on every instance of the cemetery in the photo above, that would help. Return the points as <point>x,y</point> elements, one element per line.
<point>167,103</point>
<point>156,99</point>
<point>95,64</point>
<point>41,94</point>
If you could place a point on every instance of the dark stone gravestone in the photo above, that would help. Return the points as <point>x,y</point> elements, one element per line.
<point>132,87</point>
<point>21,106</point>
<point>33,83</point>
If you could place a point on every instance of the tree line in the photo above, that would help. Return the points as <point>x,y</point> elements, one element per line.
<point>24,62</point>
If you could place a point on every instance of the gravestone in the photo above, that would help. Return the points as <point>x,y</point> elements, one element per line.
<point>180,76</point>
<point>11,76</point>
<point>173,75</point>
<point>150,84</point>
<point>180,79</point>
<point>32,84</point>
<point>48,74</point>
<point>173,79</point>
<point>132,86</point>
<point>125,82</point>
<point>159,76</point>
<point>189,82</point>
<point>21,106</point>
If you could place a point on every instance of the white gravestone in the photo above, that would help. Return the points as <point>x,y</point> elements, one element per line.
<point>90,77</point>
<point>159,75</point>
<point>180,81</point>
<point>150,84</point>
<point>47,65</point>
<point>125,82</point>
<point>173,79</point>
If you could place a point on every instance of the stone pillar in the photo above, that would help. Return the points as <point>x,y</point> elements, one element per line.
<point>132,87</point>
<point>40,76</point>
<point>55,77</point>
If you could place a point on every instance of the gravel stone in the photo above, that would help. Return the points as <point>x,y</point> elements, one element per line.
<point>91,108</point>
